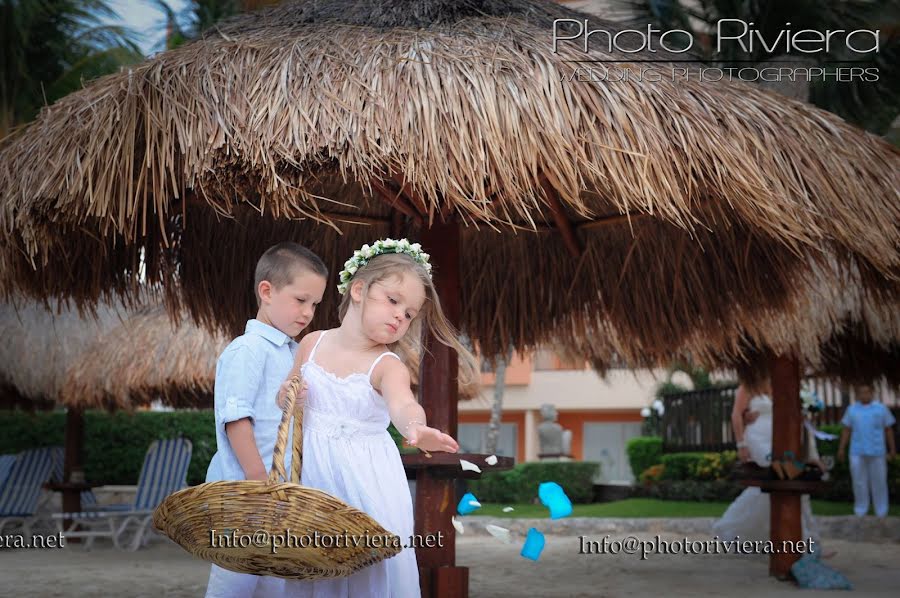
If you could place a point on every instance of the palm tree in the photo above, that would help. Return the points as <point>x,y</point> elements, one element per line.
<point>50,47</point>
<point>870,105</point>
<point>493,432</point>
<point>199,16</point>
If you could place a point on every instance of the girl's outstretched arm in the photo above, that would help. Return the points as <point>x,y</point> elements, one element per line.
<point>391,378</point>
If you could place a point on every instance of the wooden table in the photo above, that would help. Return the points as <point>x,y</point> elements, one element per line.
<point>438,573</point>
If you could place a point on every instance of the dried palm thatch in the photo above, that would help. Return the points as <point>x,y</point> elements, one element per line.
<point>143,359</point>
<point>39,345</point>
<point>668,217</point>
<point>117,358</point>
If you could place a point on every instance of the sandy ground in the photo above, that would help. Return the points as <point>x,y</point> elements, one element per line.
<point>496,570</point>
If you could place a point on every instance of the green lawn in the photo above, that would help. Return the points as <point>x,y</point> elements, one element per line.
<point>649,507</point>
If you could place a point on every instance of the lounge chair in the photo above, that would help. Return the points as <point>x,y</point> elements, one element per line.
<point>164,472</point>
<point>21,491</point>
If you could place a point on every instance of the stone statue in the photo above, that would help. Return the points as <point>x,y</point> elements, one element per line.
<point>554,441</point>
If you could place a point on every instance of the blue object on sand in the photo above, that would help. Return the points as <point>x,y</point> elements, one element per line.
<point>554,498</point>
<point>465,507</point>
<point>534,544</point>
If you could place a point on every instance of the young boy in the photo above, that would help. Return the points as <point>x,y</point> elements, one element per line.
<point>867,425</point>
<point>289,283</point>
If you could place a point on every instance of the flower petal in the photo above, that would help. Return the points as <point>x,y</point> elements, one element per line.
<point>457,524</point>
<point>469,466</point>
<point>501,533</point>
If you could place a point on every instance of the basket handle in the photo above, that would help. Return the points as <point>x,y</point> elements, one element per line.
<point>294,409</point>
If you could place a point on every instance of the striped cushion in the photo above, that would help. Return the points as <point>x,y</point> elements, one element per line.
<point>164,472</point>
<point>6,463</point>
<point>22,489</point>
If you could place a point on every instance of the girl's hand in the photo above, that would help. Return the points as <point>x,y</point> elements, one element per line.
<point>431,439</point>
<point>281,399</point>
<point>744,454</point>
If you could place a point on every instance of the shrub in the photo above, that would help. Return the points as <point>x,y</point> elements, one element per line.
<point>652,474</point>
<point>644,452</point>
<point>681,466</point>
<point>694,490</point>
<point>520,484</point>
<point>714,466</point>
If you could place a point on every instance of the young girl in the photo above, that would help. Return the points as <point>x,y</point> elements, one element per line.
<point>355,386</point>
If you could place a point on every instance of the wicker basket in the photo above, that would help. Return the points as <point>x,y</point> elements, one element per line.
<point>259,511</point>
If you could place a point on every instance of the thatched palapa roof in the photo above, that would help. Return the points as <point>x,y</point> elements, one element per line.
<point>119,359</point>
<point>39,346</point>
<point>649,219</point>
<point>146,358</point>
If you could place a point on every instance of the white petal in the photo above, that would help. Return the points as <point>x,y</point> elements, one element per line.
<point>501,533</point>
<point>508,509</point>
<point>457,524</point>
<point>468,466</point>
<point>492,460</point>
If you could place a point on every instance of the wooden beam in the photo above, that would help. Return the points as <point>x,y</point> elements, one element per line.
<point>395,199</point>
<point>562,223</point>
<point>396,224</point>
<point>610,219</point>
<point>785,515</point>
<point>412,197</point>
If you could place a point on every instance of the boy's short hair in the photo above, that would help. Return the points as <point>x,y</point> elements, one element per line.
<point>282,262</point>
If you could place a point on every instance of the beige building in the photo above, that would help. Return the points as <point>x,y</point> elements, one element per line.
<point>602,413</point>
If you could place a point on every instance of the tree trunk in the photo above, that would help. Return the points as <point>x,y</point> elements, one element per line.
<point>493,433</point>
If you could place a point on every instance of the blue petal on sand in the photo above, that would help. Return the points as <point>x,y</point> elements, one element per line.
<point>534,544</point>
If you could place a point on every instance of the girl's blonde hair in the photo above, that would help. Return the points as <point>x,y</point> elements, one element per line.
<point>431,316</point>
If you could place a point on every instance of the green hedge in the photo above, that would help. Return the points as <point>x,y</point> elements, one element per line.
<point>644,452</point>
<point>694,490</point>
<point>703,476</point>
<point>115,443</point>
<point>520,484</point>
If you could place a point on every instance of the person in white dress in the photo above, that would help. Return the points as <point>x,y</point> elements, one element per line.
<point>747,516</point>
<point>356,385</point>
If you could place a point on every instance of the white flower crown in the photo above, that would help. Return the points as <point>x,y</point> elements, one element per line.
<point>362,256</point>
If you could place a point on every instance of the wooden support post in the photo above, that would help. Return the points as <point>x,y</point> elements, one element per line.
<point>785,518</point>
<point>435,497</point>
<point>72,460</point>
<point>74,442</point>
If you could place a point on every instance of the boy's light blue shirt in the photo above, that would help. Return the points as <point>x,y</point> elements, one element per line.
<point>867,424</point>
<point>248,375</point>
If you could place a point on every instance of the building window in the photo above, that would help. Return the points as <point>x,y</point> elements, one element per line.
<point>472,438</point>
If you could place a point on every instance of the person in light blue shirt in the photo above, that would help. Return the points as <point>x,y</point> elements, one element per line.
<point>289,282</point>
<point>868,427</point>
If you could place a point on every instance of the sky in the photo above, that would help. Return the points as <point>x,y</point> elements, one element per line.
<point>146,20</point>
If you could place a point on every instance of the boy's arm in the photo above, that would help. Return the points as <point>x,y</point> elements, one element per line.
<point>243,443</point>
<point>238,379</point>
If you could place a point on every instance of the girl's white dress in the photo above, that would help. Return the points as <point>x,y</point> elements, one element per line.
<point>348,453</point>
<point>748,515</point>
